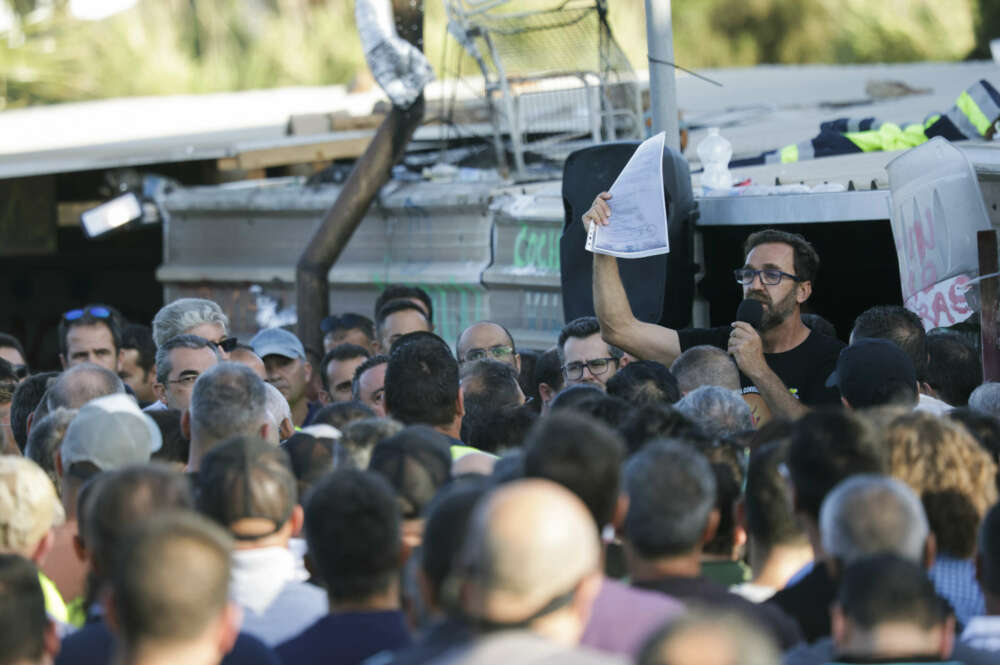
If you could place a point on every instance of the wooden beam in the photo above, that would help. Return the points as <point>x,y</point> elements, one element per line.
<point>989,292</point>
<point>349,147</point>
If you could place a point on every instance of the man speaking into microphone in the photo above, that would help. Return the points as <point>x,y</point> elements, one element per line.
<point>783,364</point>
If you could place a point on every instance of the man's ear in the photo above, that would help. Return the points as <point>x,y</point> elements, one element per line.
<point>51,640</point>
<point>947,643</point>
<point>586,594</point>
<point>460,404</point>
<point>160,391</point>
<point>80,549</point>
<point>57,460</point>
<point>739,525</point>
<point>297,519</point>
<point>28,423</point>
<point>229,627</point>
<point>308,369</point>
<point>711,526</point>
<point>517,362</point>
<point>268,432</point>
<point>43,548</point>
<point>121,359</point>
<point>186,423</point>
<point>62,361</point>
<point>286,430</point>
<point>621,510</point>
<point>803,292</point>
<point>840,629</point>
<point>110,606</point>
<point>930,552</point>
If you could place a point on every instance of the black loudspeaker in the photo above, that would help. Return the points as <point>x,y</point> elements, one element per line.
<point>660,288</point>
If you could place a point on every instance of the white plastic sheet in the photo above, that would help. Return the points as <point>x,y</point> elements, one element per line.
<point>398,66</point>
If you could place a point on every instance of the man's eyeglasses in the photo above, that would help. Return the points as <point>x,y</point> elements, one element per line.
<point>227,344</point>
<point>186,381</point>
<point>768,276</point>
<point>498,352</point>
<point>597,366</point>
<point>97,312</point>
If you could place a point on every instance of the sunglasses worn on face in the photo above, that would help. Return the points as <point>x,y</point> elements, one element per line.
<point>227,344</point>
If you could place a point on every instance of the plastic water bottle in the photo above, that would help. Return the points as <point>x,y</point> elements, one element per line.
<point>714,152</point>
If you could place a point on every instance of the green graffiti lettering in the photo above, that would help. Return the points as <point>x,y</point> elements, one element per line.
<point>537,249</point>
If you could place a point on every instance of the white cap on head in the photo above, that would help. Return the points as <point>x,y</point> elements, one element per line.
<point>110,432</point>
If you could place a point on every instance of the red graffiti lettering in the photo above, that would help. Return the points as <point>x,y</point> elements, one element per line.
<point>957,296</point>
<point>941,307</point>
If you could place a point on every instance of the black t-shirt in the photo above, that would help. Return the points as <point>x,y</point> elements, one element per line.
<point>804,369</point>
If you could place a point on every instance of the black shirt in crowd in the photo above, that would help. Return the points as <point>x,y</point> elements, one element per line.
<point>804,369</point>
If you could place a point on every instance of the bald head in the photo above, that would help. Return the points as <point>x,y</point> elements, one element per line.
<point>486,340</point>
<point>710,639</point>
<point>531,542</point>
<point>80,384</point>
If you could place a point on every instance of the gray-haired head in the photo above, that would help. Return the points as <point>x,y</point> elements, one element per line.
<point>277,406</point>
<point>164,366</point>
<point>80,384</point>
<point>228,400</point>
<point>986,398</point>
<point>184,314</point>
<point>45,438</point>
<point>705,366</point>
<point>871,514</point>
<point>671,491</point>
<point>720,411</point>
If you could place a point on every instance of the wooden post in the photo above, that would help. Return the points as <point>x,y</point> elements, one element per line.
<point>370,172</point>
<point>989,293</point>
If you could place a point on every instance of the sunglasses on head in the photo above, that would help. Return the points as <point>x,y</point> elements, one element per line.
<point>97,312</point>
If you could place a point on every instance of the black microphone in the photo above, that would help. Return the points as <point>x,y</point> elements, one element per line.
<point>750,311</point>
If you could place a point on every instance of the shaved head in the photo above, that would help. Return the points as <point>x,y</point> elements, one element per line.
<point>530,543</point>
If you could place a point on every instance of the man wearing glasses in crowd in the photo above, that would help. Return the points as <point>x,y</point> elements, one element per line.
<point>586,358</point>
<point>487,340</point>
<point>179,363</point>
<point>783,364</point>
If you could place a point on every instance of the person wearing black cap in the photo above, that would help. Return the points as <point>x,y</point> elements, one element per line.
<point>875,372</point>
<point>417,463</point>
<point>246,485</point>
<point>783,364</point>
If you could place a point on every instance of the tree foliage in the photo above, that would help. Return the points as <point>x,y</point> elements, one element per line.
<point>178,46</point>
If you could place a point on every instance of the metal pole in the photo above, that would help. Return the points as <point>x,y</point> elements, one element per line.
<point>370,172</point>
<point>662,87</point>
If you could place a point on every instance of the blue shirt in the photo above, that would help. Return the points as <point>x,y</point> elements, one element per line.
<point>346,639</point>
<point>94,644</point>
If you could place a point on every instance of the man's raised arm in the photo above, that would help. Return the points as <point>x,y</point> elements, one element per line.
<point>619,326</point>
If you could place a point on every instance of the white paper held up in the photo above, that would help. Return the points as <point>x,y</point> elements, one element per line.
<point>638,224</point>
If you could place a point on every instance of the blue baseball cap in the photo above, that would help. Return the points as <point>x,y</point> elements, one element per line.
<point>277,342</point>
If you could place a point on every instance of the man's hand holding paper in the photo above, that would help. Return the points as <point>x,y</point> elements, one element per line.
<point>640,226</point>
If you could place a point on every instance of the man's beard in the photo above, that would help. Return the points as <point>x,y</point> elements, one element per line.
<point>776,313</point>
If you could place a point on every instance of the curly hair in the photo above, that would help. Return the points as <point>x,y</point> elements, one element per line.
<point>953,475</point>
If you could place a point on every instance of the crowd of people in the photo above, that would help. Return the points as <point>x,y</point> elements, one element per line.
<point>754,494</point>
